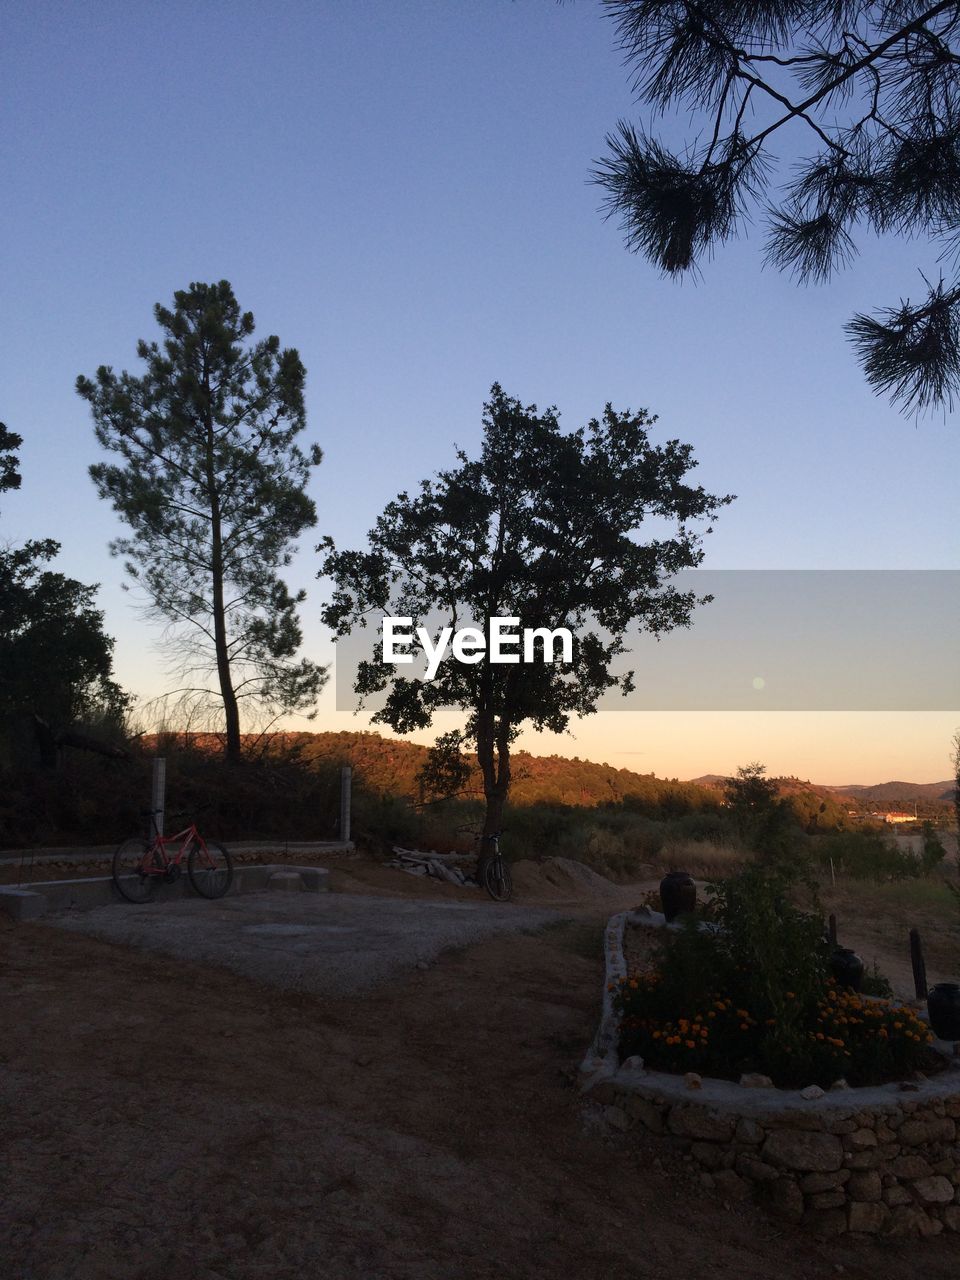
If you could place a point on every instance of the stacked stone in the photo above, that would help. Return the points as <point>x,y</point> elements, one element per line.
<point>892,1169</point>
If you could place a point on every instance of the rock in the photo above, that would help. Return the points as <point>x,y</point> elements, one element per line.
<point>422,964</point>
<point>897,1195</point>
<point>811,1182</point>
<point>913,1166</point>
<point>785,1199</point>
<point>828,1199</point>
<point>951,1217</point>
<point>867,1217</point>
<point>649,1115</point>
<point>709,1154</point>
<point>909,1220</point>
<point>731,1185</point>
<point>617,1118</point>
<point>811,1092</point>
<point>633,1063</point>
<point>803,1151</point>
<point>934,1129</point>
<point>869,1159</point>
<point>692,1080</point>
<point>749,1131</point>
<point>748,1166</point>
<point>754,1080</point>
<point>837,1124</point>
<point>934,1190</point>
<point>859,1140</point>
<point>865,1187</point>
<point>695,1122</point>
<point>839,1084</point>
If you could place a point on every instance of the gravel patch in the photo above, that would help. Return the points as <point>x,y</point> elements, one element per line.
<point>326,944</point>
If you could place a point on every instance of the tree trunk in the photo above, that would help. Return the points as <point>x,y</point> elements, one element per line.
<point>231,710</point>
<point>493,752</point>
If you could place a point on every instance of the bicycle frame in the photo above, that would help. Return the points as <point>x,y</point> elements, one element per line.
<point>157,861</point>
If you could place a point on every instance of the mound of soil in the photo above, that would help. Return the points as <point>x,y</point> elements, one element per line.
<point>561,879</point>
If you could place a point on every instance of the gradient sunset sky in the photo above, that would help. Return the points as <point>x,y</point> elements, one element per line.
<point>399,189</point>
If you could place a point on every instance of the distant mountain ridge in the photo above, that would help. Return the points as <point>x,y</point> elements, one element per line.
<point>890,793</point>
<point>390,765</point>
<point>882,796</point>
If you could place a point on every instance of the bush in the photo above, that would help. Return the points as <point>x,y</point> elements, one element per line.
<point>934,851</point>
<point>866,855</point>
<point>753,994</point>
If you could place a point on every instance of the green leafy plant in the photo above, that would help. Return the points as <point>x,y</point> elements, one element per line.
<point>753,993</point>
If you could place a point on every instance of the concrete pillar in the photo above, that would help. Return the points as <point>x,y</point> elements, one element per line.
<point>158,792</point>
<point>345,786</point>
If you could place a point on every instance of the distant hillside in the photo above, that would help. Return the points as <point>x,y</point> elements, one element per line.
<point>932,799</point>
<point>390,766</point>
<point>899,792</point>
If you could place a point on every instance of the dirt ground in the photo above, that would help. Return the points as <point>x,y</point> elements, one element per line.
<point>184,1123</point>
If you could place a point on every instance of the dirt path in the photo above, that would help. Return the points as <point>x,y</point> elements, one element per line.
<point>192,1125</point>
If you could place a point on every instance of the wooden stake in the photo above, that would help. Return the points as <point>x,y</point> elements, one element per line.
<point>919,968</point>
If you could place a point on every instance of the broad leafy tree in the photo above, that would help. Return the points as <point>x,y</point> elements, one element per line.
<point>874,89</point>
<point>544,527</point>
<point>55,660</point>
<point>10,442</point>
<point>210,478</point>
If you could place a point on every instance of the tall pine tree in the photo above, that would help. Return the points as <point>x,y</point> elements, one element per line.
<point>211,481</point>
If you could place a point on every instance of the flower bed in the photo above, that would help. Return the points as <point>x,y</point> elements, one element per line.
<point>838,1034</point>
<point>875,1160</point>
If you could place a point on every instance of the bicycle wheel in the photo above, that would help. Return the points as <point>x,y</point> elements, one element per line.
<point>131,874</point>
<point>497,879</point>
<point>210,870</point>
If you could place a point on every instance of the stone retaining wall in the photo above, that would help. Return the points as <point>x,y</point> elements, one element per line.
<point>876,1160</point>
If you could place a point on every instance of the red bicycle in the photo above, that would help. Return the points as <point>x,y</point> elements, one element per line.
<point>139,865</point>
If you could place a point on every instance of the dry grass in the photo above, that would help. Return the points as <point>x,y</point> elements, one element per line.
<point>875,919</point>
<point>703,859</point>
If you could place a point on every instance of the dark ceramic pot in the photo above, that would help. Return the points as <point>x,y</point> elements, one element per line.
<point>678,893</point>
<point>943,1005</point>
<point>847,968</point>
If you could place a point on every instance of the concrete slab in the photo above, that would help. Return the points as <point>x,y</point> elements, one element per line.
<point>104,852</point>
<point>23,904</point>
<point>98,891</point>
<point>329,944</point>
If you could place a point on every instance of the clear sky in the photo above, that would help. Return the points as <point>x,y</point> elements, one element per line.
<point>398,188</point>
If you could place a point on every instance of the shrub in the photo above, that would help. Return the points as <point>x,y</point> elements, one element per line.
<point>753,993</point>
<point>866,855</point>
<point>933,849</point>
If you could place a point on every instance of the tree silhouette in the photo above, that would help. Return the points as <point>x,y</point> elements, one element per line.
<point>875,87</point>
<point>56,662</point>
<point>211,481</point>
<point>541,527</point>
